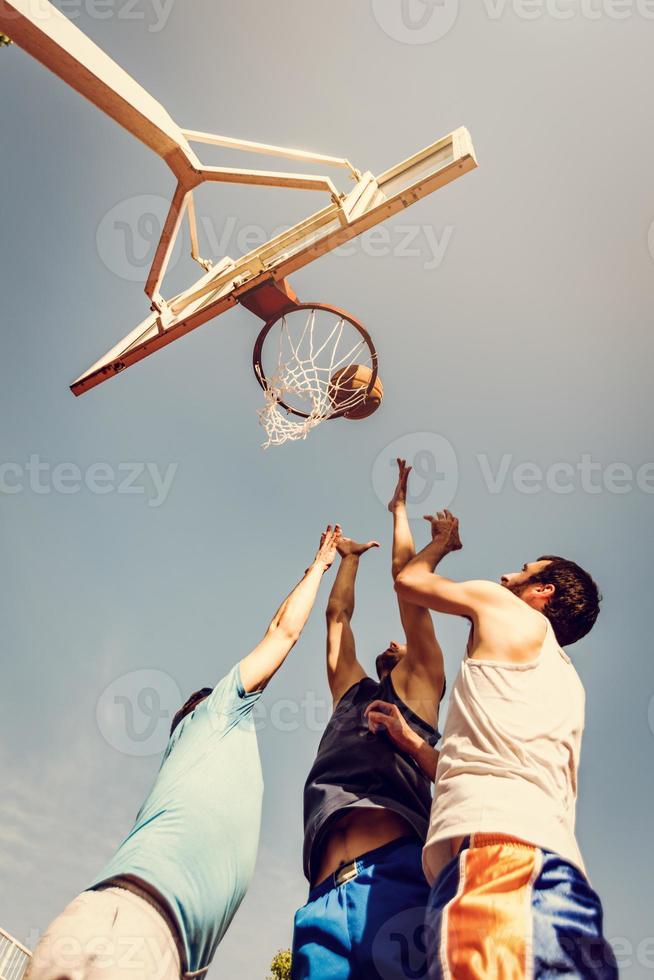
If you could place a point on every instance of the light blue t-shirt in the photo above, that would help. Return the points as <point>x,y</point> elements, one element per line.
<point>196,836</point>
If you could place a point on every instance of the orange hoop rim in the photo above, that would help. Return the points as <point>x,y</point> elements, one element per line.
<point>328,308</point>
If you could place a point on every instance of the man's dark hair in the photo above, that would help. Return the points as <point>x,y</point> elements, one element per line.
<point>384,663</point>
<point>574,607</point>
<point>192,703</point>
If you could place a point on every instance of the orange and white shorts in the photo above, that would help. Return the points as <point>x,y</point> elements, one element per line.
<point>507,910</point>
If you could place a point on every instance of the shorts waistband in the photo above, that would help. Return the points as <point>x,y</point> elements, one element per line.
<point>352,869</point>
<point>493,840</point>
<point>135,888</point>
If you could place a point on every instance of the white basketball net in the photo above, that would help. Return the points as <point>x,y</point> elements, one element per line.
<point>303,371</point>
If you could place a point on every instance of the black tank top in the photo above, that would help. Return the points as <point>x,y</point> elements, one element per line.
<point>355,767</point>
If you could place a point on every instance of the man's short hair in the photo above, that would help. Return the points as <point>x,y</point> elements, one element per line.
<point>384,663</point>
<point>189,706</point>
<point>574,607</point>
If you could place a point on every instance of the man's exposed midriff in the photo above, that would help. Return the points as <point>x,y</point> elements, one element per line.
<point>355,832</point>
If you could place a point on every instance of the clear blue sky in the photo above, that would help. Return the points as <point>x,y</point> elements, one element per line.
<point>526,339</point>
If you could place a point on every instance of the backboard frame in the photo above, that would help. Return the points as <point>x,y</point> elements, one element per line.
<point>230,281</point>
<point>51,38</point>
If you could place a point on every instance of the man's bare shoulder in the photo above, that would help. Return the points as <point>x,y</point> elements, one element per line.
<point>484,595</point>
<point>487,589</point>
<point>506,628</point>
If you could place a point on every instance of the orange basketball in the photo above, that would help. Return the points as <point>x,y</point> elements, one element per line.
<point>346,382</point>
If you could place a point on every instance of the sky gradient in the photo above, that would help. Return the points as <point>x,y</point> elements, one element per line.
<point>512,314</point>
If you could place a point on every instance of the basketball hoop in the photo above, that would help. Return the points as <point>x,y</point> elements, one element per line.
<point>314,363</point>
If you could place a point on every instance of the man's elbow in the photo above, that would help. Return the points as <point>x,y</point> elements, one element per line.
<point>338,612</point>
<point>289,633</point>
<point>286,632</point>
<point>404,582</point>
<point>411,586</point>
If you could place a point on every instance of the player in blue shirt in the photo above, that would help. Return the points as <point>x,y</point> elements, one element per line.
<point>165,900</point>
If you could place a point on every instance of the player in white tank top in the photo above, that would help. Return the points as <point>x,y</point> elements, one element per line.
<point>510,754</point>
<point>509,893</point>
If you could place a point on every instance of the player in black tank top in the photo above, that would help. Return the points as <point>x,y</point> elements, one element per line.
<point>371,759</point>
<point>355,766</point>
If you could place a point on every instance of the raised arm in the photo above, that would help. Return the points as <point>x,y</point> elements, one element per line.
<point>290,619</point>
<point>420,675</point>
<point>417,582</point>
<point>403,546</point>
<point>343,668</point>
<point>504,628</point>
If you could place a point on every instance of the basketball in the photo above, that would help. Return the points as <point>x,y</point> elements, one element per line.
<point>347,382</point>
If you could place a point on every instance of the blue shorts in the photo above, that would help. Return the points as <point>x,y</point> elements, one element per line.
<point>371,927</point>
<point>506,909</point>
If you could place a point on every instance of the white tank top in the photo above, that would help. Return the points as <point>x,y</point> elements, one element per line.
<point>510,756</point>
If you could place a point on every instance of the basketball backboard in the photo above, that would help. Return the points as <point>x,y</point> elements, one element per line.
<point>237,280</point>
<point>257,280</point>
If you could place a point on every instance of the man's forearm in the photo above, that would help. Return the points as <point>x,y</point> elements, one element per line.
<point>291,617</point>
<point>283,633</point>
<point>417,580</point>
<point>427,758</point>
<point>419,584</point>
<point>294,612</point>
<point>386,717</point>
<point>341,598</point>
<point>420,751</point>
<point>428,559</point>
<point>403,546</point>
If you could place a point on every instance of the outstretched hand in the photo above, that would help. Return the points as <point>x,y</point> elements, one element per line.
<point>346,546</point>
<point>445,528</point>
<point>329,544</point>
<point>399,496</point>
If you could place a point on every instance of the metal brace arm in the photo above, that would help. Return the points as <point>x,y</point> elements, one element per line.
<point>227,142</point>
<point>183,199</point>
